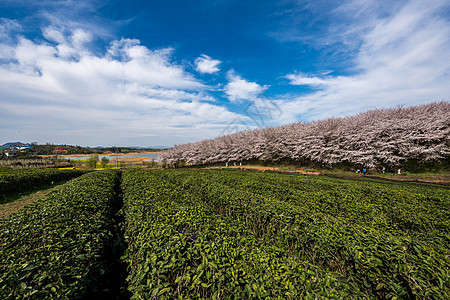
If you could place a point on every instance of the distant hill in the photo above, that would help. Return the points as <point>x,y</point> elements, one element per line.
<point>397,137</point>
<point>13,144</point>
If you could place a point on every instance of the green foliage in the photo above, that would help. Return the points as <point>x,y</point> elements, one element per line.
<point>180,247</point>
<point>49,149</point>
<point>221,234</point>
<point>361,239</point>
<point>13,181</point>
<point>92,161</point>
<point>104,161</point>
<point>53,248</point>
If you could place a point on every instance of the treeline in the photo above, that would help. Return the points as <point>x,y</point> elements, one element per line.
<point>49,149</point>
<point>397,137</point>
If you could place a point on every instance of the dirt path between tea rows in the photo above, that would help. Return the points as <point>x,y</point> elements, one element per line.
<point>11,207</point>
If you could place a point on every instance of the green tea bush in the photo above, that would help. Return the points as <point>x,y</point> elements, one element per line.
<point>386,239</point>
<point>181,248</point>
<point>20,180</point>
<point>53,248</point>
<point>212,234</point>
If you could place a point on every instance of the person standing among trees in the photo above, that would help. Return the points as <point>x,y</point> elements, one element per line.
<point>364,171</point>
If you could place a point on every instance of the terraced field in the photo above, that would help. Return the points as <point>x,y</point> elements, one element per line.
<point>228,234</point>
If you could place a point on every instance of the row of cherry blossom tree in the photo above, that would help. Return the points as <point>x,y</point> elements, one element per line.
<point>388,137</point>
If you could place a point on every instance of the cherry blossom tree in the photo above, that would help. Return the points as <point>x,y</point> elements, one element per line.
<point>387,137</point>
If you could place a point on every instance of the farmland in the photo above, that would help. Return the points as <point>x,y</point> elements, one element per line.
<point>221,234</point>
<point>13,181</point>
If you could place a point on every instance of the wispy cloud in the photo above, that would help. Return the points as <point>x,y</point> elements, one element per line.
<point>7,26</point>
<point>300,79</point>
<point>205,64</point>
<point>325,24</point>
<point>403,59</point>
<point>65,16</point>
<point>238,88</point>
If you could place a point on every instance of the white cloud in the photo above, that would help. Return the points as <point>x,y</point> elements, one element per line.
<point>205,64</point>
<point>300,79</point>
<point>61,92</point>
<point>403,59</point>
<point>238,88</point>
<point>54,35</point>
<point>8,26</point>
<point>80,38</point>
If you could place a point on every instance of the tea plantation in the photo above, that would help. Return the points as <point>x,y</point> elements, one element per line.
<point>222,234</point>
<point>19,180</point>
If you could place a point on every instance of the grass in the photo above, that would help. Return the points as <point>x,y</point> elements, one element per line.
<point>441,177</point>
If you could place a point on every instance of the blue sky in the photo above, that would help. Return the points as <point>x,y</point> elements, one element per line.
<point>147,73</point>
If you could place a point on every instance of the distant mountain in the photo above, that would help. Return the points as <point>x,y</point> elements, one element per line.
<point>13,144</point>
